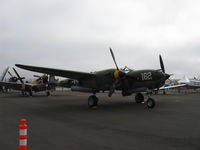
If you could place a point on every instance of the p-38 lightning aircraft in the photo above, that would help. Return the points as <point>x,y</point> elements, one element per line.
<point>134,81</point>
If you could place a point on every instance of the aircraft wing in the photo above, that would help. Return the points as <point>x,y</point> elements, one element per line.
<point>172,86</point>
<point>58,72</point>
<point>12,85</point>
<point>15,85</point>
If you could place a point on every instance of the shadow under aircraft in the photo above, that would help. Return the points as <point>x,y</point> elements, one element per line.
<point>133,81</point>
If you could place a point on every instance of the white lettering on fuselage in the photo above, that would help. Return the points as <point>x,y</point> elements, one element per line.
<point>146,76</point>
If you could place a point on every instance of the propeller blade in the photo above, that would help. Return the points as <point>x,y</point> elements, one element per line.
<point>118,75</point>
<point>162,64</point>
<point>112,88</point>
<point>18,76</point>
<point>10,74</point>
<point>114,58</point>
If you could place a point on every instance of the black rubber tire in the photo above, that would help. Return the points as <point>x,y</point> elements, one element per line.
<point>139,98</point>
<point>92,101</point>
<point>150,103</point>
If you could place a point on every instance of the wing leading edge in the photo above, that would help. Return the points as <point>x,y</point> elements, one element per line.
<point>58,72</point>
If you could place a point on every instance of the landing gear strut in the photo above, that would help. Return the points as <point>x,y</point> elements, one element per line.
<point>150,102</point>
<point>139,98</point>
<point>23,93</point>
<point>92,101</point>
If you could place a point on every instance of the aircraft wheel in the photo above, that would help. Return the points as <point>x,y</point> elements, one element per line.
<point>139,98</point>
<point>150,103</point>
<point>92,101</point>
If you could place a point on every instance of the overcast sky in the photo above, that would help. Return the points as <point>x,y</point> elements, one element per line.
<point>77,34</point>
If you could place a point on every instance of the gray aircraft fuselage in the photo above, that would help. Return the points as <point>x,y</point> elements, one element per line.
<point>148,79</point>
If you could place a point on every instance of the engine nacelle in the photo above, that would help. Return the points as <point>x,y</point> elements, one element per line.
<point>68,83</point>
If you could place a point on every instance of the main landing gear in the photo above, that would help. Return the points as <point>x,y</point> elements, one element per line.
<point>26,93</point>
<point>92,101</point>
<point>150,103</point>
<point>139,98</point>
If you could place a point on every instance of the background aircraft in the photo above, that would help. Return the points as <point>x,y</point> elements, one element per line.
<point>189,83</point>
<point>133,81</point>
<point>43,83</point>
<point>184,82</point>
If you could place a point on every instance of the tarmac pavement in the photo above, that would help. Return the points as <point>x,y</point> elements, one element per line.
<point>63,121</point>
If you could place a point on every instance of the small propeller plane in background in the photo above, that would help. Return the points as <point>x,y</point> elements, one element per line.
<point>40,84</point>
<point>129,82</point>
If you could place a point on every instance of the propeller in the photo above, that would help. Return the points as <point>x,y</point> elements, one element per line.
<point>163,68</point>
<point>18,76</point>
<point>113,56</point>
<point>10,74</point>
<point>118,75</point>
<point>12,78</point>
<point>162,64</point>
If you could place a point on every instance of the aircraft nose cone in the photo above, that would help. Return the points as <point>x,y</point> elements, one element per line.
<point>167,76</point>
